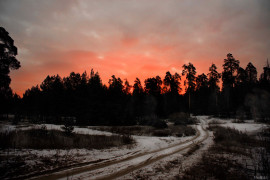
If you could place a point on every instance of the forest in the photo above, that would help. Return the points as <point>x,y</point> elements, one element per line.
<point>85,100</point>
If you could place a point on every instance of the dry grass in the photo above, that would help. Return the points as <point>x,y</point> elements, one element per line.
<point>192,150</point>
<point>172,130</point>
<point>182,118</point>
<point>54,139</point>
<point>238,121</point>
<point>215,167</point>
<point>228,157</point>
<point>215,122</point>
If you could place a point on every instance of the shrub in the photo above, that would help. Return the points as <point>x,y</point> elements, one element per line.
<point>159,124</point>
<point>215,122</point>
<point>68,127</point>
<point>231,137</point>
<point>182,118</point>
<point>162,133</point>
<point>153,121</point>
<point>238,121</point>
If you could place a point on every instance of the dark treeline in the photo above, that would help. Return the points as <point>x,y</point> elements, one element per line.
<point>85,98</point>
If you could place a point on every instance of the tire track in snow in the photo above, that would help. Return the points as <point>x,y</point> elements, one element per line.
<point>77,169</point>
<point>149,161</point>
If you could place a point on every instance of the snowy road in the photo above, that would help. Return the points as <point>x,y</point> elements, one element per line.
<point>120,167</point>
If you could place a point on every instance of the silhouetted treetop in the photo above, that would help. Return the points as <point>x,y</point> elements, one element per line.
<point>214,77</point>
<point>116,85</point>
<point>251,73</point>
<point>8,61</point>
<point>172,82</point>
<point>52,83</point>
<point>127,87</point>
<point>241,77</point>
<point>95,80</point>
<point>153,86</point>
<point>229,73</point>
<point>190,72</point>
<point>137,87</point>
<point>201,82</point>
<point>265,76</point>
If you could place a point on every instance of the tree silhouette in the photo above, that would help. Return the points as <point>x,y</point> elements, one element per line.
<point>116,85</point>
<point>172,82</point>
<point>241,77</point>
<point>137,87</point>
<point>251,73</point>
<point>153,86</point>
<point>95,82</point>
<point>265,76</point>
<point>127,87</point>
<point>32,100</point>
<point>230,68</point>
<point>201,95</point>
<point>8,61</point>
<point>201,82</point>
<point>190,72</point>
<point>214,78</point>
<point>229,75</point>
<point>86,99</point>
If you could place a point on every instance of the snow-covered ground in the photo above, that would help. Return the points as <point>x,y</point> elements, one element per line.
<point>248,126</point>
<point>34,158</point>
<point>143,144</point>
<point>171,167</point>
<point>86,130</point>
<point>136,161</point>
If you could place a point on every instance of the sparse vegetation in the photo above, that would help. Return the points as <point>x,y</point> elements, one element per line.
<point>182,119</point>
<point>231,140</point>
<point>192,150</point>
<point>171,130</point>
<point>152,120</point>
<point>215,122</point>
<point>68,127</point>
<point>53,139</point>
<point>213,167</point>
<point>231,158</point>
<point>238,121</point>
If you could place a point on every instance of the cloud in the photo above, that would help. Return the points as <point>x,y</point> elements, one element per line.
<point>133,38</point>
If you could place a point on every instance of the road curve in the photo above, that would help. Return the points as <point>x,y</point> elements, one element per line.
<point>147,162</point>
<point>148,158</point>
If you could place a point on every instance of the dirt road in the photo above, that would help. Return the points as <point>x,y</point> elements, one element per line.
<point>117,168</point>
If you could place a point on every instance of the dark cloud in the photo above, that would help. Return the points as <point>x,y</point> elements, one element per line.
<point>109,33</point>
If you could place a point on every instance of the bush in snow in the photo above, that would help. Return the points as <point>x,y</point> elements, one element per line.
<point>68,127</point>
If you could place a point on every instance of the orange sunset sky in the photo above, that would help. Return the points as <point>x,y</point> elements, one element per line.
<point>132,38</point>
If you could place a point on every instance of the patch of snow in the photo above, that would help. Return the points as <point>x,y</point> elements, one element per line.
<point>7,127</point>
<point>245,127</point>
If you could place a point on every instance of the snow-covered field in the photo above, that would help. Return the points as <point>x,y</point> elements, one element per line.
<point>143,144</point>
<point>249,126</point>
<point>140,160</point>
<point>34,158</point>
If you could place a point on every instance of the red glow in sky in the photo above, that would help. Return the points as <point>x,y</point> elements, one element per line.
<point>133,38</point>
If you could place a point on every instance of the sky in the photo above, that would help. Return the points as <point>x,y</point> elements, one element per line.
<point>132,38</point>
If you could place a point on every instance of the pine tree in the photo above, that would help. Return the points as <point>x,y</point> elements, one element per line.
<point>190,72</point>
<point>214,78</point>
<point>8,61</point>
<point>230,68</point>
<point>172,82</point>
<point>251,73</point>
